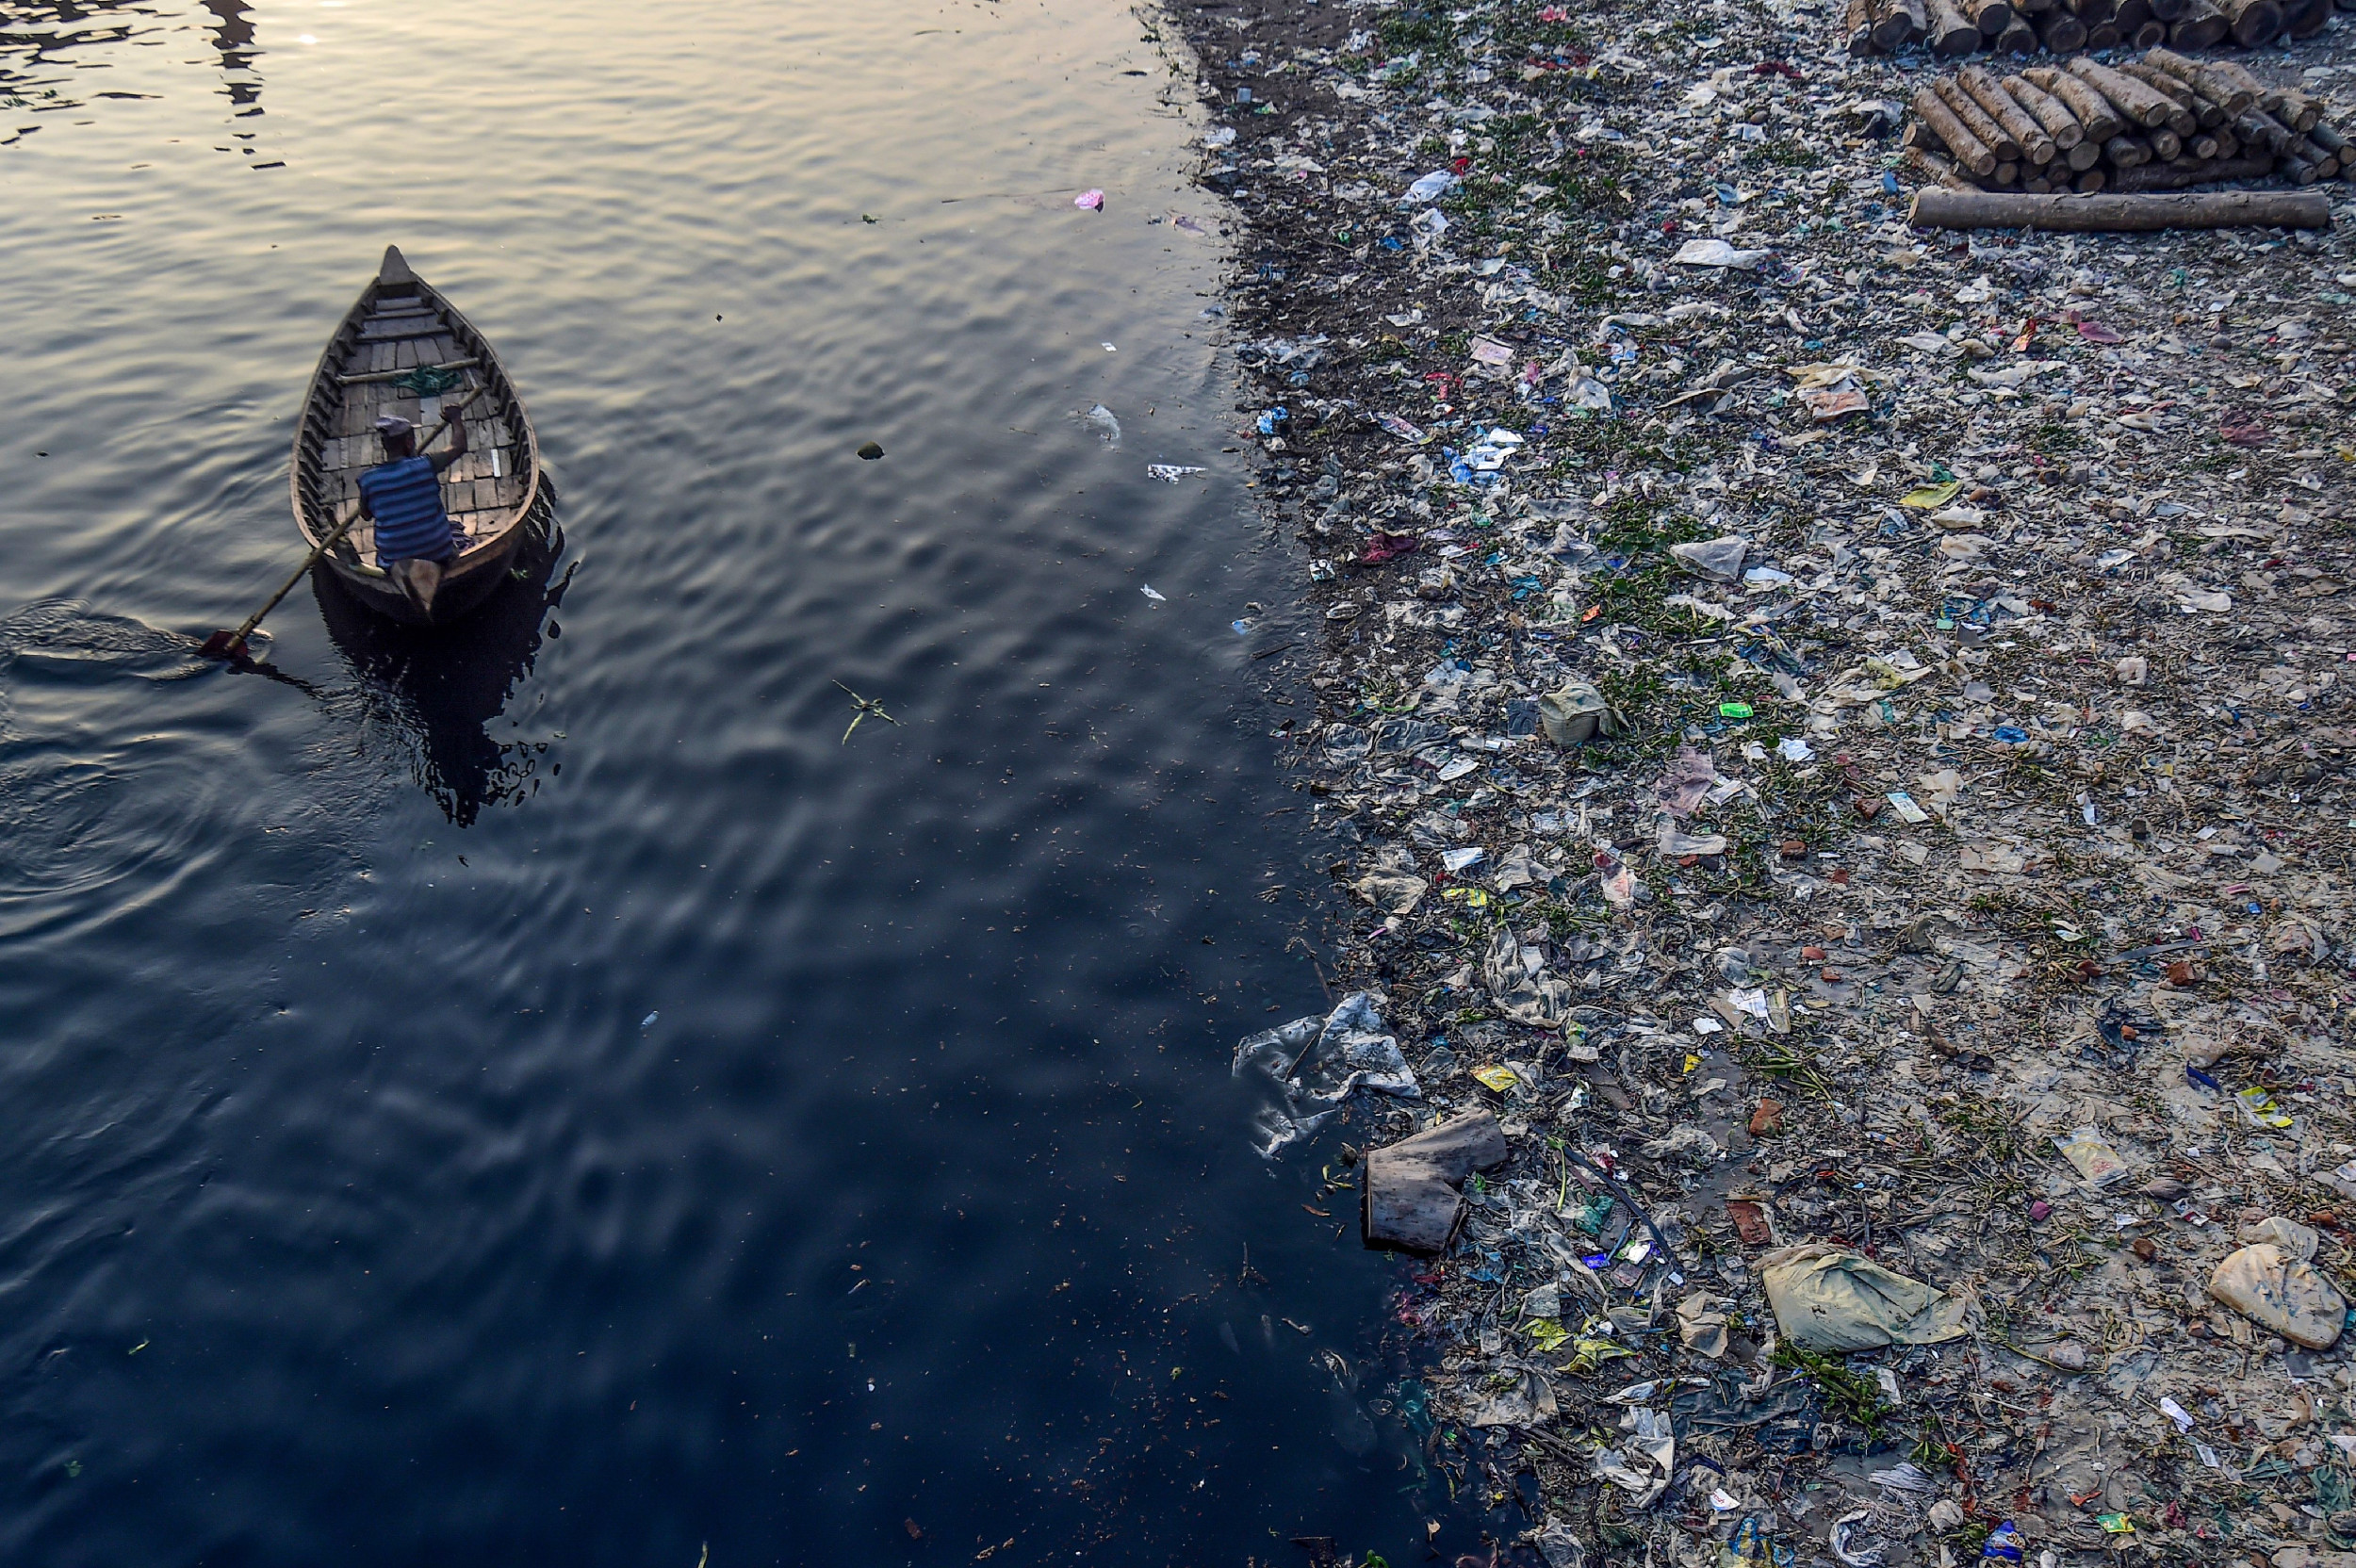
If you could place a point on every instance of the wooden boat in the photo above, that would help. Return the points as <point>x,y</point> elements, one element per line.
<point>404,349</point>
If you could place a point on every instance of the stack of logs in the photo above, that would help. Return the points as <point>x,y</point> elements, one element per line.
<point>2163,123</point>
<point>2066,27</point>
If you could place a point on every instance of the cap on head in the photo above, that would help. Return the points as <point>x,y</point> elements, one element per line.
<point>392,427</point>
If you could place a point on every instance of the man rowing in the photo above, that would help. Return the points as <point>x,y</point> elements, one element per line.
<point>415,541</point>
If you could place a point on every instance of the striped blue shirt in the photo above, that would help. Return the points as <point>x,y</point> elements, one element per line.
<point>405,498</point>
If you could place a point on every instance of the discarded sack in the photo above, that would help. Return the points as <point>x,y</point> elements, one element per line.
<point>2273,1282</point>
<point>1576,713</point>
<point>1830,1298</point>
<point>1414,1198</point>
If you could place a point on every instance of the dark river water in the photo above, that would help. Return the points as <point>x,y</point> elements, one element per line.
<point>533,1093</point>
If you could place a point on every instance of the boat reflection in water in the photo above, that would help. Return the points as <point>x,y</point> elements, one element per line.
<point>440,687</point>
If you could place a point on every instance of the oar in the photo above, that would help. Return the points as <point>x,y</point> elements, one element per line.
<point>231,645</point>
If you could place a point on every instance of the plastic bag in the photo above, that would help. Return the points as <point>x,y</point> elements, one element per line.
<point>1830,1298</point>
<point>2095,1160</point>
<point>2273,1284</point>
<point>1576,713</point>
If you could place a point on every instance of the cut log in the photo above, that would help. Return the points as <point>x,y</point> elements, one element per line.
<point>2167,11</point>
<point>2307,151</point>
<point>2007,175</point>
<point>2260,131</point>
<point>2331,140</point>
<point>1414,1196</point>
<point>1967,149</point>
<point>2252,22</point>
<point>2093,110</point>
<point>1898,23</point>
<point>2204,78</point>
<point>2201,26</point>
<point>2210,113</point>
<point>2293,108</point>
<point>2166,144</point>
<point>2180,118</point>
<point>2232,71</point>
<point>2092,12</point>
<point>2061,32</point>
<point>2176,176</point>
<point>2048,112</point>
<point>2228,144</point>
<point>2026,134</point>
<point>2089,182</point>
<point>2306,18</point>
<point>2103,35</point>
<point>1992,16</point>
<point>1977,119</point>
<point>2036,185</point>
<point>2296,171</point>
<point>2085,156</point>
<point>1856,23</point>
<point>2151,32</point>
<point>2126,152</point>
<point>1922,160</point>
<point>1952,33</point>
<point>2141,103</point>
<point>2120,214</point>
<point>2032,7</point>
<point>2203,146</point>
<point>2019,39</point>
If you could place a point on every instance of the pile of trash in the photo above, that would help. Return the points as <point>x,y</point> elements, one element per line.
<point>1835,742</point>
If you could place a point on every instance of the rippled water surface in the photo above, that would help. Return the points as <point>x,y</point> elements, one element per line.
<point>531,1093</point>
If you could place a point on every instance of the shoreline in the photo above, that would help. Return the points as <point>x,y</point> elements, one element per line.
<point>1972,615</point>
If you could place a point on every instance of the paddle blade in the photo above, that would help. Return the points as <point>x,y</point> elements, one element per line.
<point>224,646</point>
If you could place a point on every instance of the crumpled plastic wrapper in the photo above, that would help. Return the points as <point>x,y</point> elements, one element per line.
<point>1518,981</point>
<point>1313,1064</point>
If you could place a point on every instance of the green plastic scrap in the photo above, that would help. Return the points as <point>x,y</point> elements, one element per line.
<point>1591,1215</point>
<point>2115,1524</point>
<point>1547,1333</point>
<point>1925,497</point>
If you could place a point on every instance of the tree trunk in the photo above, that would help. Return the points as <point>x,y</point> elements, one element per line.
<point>1967,149</point>
<point>2083,157</point>
<point>2206,80</point>
<point>1992,16</point>
<point>2019,39</point>
<point>1952,33</point>
<point>2306,18</point>
<point>2142,103</point>
<point>2201,26</point>
<point>2293,108</point>
<point>2093,110</point>
<point>1858,25</point>
<point>2138,214</point>
<point>2261,132</point>
<point>2176,176</point>
<point>1898,23</point>
<point>2126,152</point>
<point>2252,22</point>
<point>1989,94</point>
<point>1924,160</point>
<point>2061,32</point>
<point>1977,119</point>
<point>2048,112</point>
